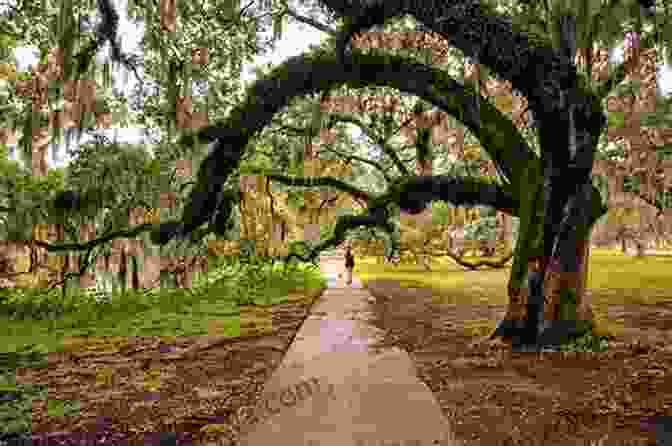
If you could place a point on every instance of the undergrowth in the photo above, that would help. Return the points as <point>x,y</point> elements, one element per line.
<point>34,321</point>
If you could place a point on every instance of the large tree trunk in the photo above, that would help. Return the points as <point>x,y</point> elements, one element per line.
<point>556,283</point>
<point>554,307</point>
<point>550,309</point>
<point>567,311</point>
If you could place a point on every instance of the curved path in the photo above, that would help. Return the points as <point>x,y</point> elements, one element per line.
<point>334,388</point>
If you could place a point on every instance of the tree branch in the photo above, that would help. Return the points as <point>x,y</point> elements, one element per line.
<point>317,71</point>
<point>376,217</point>
<point>389,151</point>
<point>307,20</point>
<point>349,157</point>
<point>98,241</point>
<point>460,260</point>
<point>414,193</point>
<point>514,55</point>
<point>312,182</point>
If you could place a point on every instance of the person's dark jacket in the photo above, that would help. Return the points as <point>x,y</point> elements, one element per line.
<point>349,260</point>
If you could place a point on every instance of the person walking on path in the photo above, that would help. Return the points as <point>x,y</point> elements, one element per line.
<point>349,264</point>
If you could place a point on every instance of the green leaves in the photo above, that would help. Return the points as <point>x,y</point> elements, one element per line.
<point>483,229</point>
<point>616,119</point>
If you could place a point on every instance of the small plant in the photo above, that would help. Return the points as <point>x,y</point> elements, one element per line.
<point>588,342</point>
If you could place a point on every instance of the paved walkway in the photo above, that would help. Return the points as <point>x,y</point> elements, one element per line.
<point>334,388</point>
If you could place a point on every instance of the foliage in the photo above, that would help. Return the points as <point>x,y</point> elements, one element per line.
<point>484,228</point>
<point>25,196</point>
<point>256,282</point>
<point>441,213</point>
<point>588,342</point>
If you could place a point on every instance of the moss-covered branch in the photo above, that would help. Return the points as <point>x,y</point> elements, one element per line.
<point>413,194</point>
<point>128,233</point>
<point>312,182</point>
<point>376,217</point>
<point>319,71</point>
<point>460,260</point>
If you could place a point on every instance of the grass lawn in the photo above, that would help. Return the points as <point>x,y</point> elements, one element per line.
<point>234,304</point>
<point>613,279</point>
<point>215,305</point>
<point>492,395</point>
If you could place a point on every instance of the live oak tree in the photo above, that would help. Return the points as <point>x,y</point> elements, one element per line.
<point>627,151</point>
<point>599,28</point>
<point>569,118</point>
<point>557,193</point>
<point>569,122</point>
<point>380,115</point>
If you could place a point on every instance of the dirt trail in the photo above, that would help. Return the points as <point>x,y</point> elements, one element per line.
<point>494,397</point>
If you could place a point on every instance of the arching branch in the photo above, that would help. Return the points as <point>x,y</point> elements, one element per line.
<point>376,217</point>
<point>413,194</point>
<point>318,71</point>
<point>312,182</point>
<point>460,260</point>
<point>132,232</point>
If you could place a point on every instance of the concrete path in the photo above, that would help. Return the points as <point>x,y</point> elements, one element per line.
<point>334,388</point>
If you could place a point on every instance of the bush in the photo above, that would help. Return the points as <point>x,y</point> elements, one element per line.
<point>588,342</point>
<point>31,303</point>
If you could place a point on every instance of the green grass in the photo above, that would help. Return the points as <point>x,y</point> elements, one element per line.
<point>607,271</point>
<point>34,322</point>
<point>452,284</point>
<point>613,279</point>
<point>41,320</point>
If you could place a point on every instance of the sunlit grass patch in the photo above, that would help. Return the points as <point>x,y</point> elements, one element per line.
<point>479,327</point>
<point>613,278</point>
<point>211,307</point>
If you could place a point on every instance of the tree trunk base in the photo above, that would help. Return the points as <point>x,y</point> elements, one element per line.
<point>509,330</point>
<point>552,334</point>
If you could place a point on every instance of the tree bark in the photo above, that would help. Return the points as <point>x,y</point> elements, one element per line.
<point>557,282</point>
<point>554,307</point>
